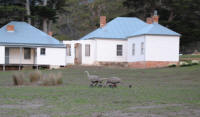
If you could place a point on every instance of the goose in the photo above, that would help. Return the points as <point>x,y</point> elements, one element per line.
<point>94,79</point>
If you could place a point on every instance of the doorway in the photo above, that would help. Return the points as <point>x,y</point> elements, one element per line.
<point>6,55</point>
<point>78,53</point>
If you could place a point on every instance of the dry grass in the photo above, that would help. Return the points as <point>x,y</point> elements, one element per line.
<point>35,76</point>
<point>51,79</point>
<point>18,78</point>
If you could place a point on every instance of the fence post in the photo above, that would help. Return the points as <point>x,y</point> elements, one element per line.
<point>4,68</point>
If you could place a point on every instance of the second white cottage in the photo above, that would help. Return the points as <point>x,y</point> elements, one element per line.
<point>126,41</point>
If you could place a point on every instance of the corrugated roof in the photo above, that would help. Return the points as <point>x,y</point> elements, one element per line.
<point>26,34</point>
<point>155,29</point>
<point>123,27</point>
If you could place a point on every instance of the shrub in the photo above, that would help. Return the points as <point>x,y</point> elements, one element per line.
<point>184,64</point>
<point>58,78</point>
<point>18,79</point>
<point>51,79</point>
<point>194,62</point>
<point>45,80</point>
<point>35,76</point>
<point>172,65</point>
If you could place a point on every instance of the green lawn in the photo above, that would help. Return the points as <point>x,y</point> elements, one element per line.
<point>164,92</point>
<point>190,56</point>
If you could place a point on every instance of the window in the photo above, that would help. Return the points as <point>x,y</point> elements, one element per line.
<point>42,51</point>
<point>87,50</point>
<point>142,48</point>
<point>119,50</point>
<point>27,53</point>
<point>68,50</point>
<point>133,49</point>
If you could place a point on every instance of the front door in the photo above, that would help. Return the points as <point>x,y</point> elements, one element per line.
<point>78,53</point>
<point>6,55</point>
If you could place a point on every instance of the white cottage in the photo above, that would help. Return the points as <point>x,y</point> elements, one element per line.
<point>24,45</point>
<point>126,41</point>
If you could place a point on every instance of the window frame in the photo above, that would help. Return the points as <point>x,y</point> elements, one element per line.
<point>43,53</point>
<point>133,49</point>
<point>119,52</point>
<point>87,54</point>
<point>27,56</point>
<point>142,48</point>
<point>68,50</point>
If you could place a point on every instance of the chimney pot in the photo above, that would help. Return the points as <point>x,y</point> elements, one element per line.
<point>10,28</point>
<point>149,20</point>
<point>102,21</point>
<point>155,17</point>
<point>155,13</point>
<point>50,33</point>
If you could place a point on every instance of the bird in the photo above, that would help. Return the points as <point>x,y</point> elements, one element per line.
<point>113,81</point>
<point>94,79</point>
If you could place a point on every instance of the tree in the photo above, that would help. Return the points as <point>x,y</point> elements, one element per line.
<point>11,10</point>
<point>28,11</point>
<point>56,5</point>
<point>82,17</point>
<point>46,10</point>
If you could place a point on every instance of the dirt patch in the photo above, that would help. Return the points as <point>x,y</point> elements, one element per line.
<point>21,106</point>
<point>154,106</point>
<point>185,112</point>
<point>40,115</point>
<point>121,114</point>
<point>34,104</point>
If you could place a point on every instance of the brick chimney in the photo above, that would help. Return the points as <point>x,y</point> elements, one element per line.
<point>155,17</point>
<point>149,20</point>
<point>10,28</point>
<point>50,33</point>
<point>102,21</point>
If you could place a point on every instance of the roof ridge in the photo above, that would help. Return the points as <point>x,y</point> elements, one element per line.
<point>34,28</point>
<point>126,17</point>
<point>26,33</point>
<point>123,27</point>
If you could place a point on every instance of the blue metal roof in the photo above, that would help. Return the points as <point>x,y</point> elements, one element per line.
<point>26,34</point>
<point>124,27</point>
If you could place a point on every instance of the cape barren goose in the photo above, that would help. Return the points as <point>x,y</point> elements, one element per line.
<point>113,81</point>
<point>94,79</point>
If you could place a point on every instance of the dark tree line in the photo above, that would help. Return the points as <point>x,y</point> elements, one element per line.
<point>40,13</point>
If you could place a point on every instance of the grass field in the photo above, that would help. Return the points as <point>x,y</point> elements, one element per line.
<point>164,92</point>
<point>190,56</point>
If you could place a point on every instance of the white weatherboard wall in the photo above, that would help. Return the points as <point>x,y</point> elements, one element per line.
<point>88,60</point>
<point>138,56</point>
<point>14,56</point>
<point>53,56</point>
<point>2,54</point>
<point>70,59</point>
<point>107,50</point>
<point>162,48</point>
